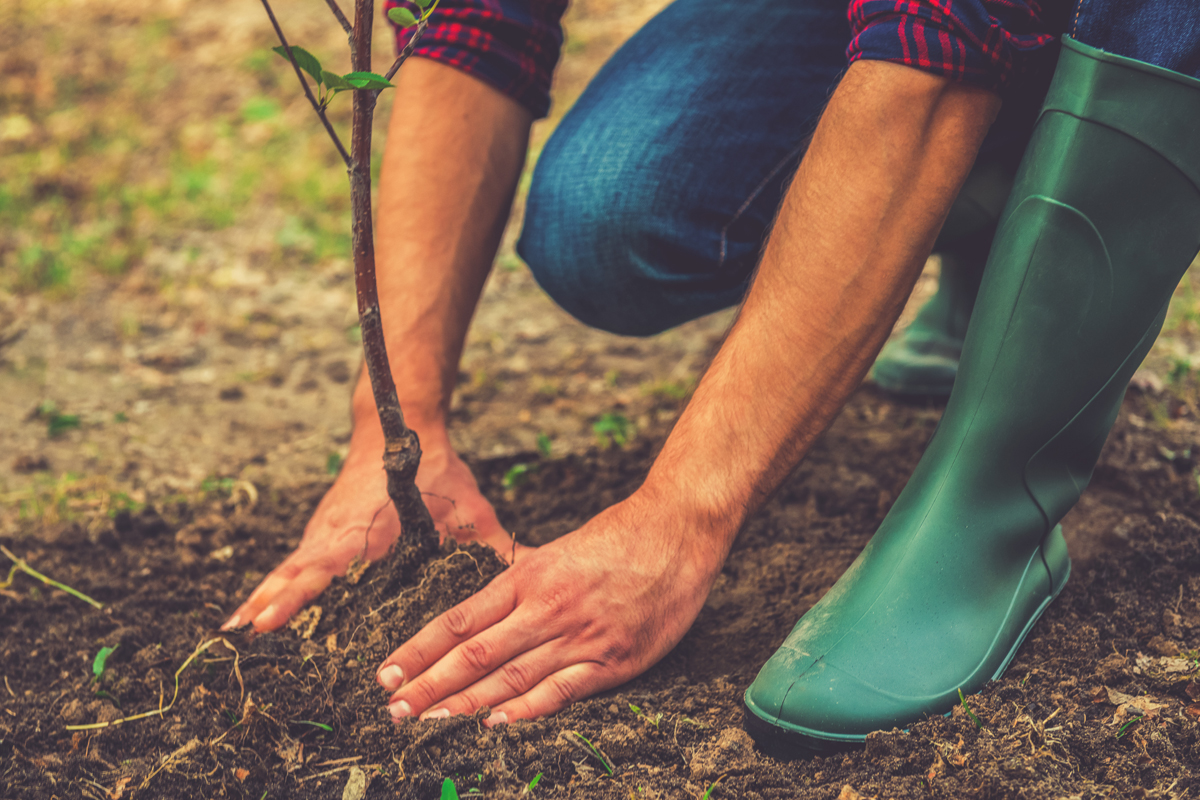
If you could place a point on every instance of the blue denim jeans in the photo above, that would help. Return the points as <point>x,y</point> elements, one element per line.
<point>650,203</point>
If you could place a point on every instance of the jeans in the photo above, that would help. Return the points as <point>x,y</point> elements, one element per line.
<point>651,202</point>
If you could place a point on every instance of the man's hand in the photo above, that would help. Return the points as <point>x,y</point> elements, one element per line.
<point>582,614</point>
<point>357,519</point>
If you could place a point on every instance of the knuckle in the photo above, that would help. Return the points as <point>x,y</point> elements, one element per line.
<point>457,621</point>
<point>421,694</point>
<point>516,677</point>
<point>563,691</point>
<point>477,654</point>
<point>555,601</point>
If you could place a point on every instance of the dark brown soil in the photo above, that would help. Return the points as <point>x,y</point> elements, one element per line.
<point>1101,701</point>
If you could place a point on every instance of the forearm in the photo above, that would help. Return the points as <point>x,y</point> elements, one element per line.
<point>454,152</point>
<point>857,224</point>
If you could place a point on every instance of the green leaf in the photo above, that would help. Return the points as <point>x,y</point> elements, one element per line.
<point>404,18</point>
<point>449,790</point>
<point>366,80</point>
<point>102,659</point>
<point>536,780</point>
<point>306,61</point>
<point>544,444</point>
<point>517,474</point>
<point>424,4</point>
<point>333,464</point>
<point>335,81</point>
<point>321,725</point>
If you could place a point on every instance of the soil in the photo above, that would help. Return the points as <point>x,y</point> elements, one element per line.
<point>1102,700</point>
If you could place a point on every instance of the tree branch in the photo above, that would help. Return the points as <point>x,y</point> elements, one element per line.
<point>307,91</point>
<point>408,48</point>
<point>337,12</point>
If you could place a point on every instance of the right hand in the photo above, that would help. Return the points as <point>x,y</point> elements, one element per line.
<point>356,518</point>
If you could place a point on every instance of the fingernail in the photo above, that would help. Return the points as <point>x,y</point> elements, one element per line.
<point>498,718</point>
<point>390,677</point>
<point>437,713</point>
<point>399,710</point>
<point>232,622</point>
<point>267,614</point>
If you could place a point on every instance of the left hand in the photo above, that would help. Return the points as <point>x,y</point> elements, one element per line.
<point>584,613</point>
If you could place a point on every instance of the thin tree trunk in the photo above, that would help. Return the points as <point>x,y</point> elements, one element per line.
<point>402,451</point>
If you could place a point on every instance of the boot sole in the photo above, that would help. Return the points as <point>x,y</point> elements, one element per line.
<point>787,742</point>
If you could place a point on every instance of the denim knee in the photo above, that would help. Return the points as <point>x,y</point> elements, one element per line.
<point>589,237</point>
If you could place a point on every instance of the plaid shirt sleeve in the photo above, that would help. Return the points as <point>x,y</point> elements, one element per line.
<point>981,42</point>
<point>511,44</point>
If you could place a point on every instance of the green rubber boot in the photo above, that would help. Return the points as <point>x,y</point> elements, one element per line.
<point>1103,220</point>
<point>923,360</point>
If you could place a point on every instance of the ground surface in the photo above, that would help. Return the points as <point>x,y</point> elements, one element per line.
<point>289,714</point>
<point>177,344</point>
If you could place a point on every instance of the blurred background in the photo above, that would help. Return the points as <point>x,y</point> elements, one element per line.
<point>176,304</point>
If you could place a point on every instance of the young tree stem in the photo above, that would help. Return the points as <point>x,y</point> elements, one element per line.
<point>402,449</point>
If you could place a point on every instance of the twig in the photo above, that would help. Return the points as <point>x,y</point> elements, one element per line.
<point>160,711</point>
<point>307,92</point>
<point>6,686</point>
<point>341,18</point>
<point>408,48</point>
<point>364,767</point>
<point>20,565</point>
<point>186,750</point>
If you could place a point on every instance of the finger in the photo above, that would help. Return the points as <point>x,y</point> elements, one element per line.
<point>281,594</point>
<point>510,680</point>
<point>448,630</point>
<point>468,664</point>
<point>554,693</point>
<point>291,598</point>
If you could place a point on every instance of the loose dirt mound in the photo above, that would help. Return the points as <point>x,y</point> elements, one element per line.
<point>1102,700</point>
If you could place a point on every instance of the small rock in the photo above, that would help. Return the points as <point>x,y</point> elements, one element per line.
<point>356,785</point>
<point>732,752</point>
<point>27,464</point>
<point>232,393</point>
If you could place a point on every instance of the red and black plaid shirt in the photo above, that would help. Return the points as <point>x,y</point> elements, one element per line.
<point>514,44</point>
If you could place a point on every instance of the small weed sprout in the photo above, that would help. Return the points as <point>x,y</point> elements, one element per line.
<point>321,725</point>
<point>517,474</point>
<point>595,751</point>
<point>1124,729</point>
<point>533,784</point>
<point>967,708</point>
<point>449,790</point>
<point>612,428</point>
<point>19,565</point>
<point>712,787</point>
<point>57,423</point>
<point>333,464</point>
<point>657,718</point>
<point>544,444</point>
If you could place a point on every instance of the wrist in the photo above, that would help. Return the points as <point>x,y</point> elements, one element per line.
<point>427,419</point>
<point>707,524</point>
